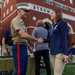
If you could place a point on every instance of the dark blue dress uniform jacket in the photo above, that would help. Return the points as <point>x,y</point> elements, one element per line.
<point>58,38</point>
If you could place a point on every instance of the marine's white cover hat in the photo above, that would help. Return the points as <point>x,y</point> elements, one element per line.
<point>24,6</point>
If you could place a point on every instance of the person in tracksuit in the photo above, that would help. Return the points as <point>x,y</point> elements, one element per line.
<point>58,42</point>
<point>20,37</point>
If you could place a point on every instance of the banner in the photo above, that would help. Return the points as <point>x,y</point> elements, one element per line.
<point>7,66</point>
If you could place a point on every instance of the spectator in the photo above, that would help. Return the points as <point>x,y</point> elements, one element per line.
<point>20,39</point>
<point>47,26</point>
<point>72,53</point>
<point>7,43</point>
<point>41,50</point>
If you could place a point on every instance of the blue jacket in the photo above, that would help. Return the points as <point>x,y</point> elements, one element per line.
<point>72,51</point>
<point>58,38</point>
<point>8,37</point>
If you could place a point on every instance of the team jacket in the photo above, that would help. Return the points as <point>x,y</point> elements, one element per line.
<point>58,38</point>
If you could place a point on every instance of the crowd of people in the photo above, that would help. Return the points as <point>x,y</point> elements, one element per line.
<point>51,38</point>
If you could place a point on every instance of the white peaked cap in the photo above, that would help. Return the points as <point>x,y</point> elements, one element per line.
<point>24,6</point>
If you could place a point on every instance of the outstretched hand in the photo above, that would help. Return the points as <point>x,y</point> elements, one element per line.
<point>40,40</point>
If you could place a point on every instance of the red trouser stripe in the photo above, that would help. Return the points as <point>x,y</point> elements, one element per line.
<point>18,58</point>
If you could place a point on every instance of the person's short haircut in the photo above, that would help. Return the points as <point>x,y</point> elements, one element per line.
<point>58,14</point>
<point>73,43</point>
<point>40,23</point>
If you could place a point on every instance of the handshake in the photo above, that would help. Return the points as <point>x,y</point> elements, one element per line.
<point>40,40</point>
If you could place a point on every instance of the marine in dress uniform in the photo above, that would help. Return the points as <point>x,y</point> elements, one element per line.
<point>20,37</point>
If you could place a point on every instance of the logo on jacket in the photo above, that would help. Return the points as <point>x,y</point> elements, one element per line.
<point>55,27</point>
